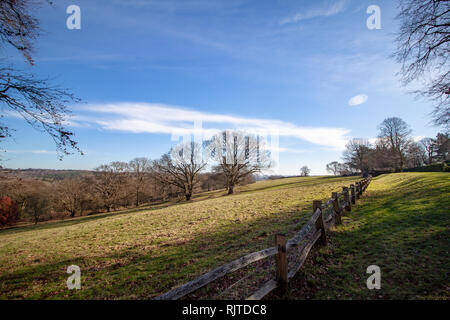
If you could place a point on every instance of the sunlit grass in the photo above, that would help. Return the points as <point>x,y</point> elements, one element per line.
<point>142,253</point>
<point>402,225</point>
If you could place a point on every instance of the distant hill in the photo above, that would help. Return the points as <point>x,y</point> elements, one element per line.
<point>45,174</point>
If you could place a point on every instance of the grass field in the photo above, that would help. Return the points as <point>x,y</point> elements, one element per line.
<point>402,225</point>
<point>138,254</point>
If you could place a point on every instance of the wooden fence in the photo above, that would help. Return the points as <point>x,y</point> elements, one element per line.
<point>315,230</point>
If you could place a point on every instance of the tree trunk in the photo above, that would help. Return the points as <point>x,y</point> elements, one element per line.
<point>230,189</point>
<point>188,196</point>
<point>137,198</point>
<point>72,213</point>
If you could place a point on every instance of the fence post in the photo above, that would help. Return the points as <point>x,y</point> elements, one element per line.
<point>358,189</point>
<point>317,204</point>
<point>282,266</point>
<point>348,206</point>
<point>336,207</point>
<point>352,190</point>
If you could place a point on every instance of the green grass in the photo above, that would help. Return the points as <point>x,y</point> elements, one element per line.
<point>402,225</point>
<point>141,253</point>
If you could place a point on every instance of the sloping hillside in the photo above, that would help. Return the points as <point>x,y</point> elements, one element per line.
<point>142,253</point>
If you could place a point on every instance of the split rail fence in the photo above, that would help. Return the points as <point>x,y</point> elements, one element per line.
<point>314,231</point>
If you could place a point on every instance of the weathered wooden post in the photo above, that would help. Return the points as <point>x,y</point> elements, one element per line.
<point>357,189</point>
<point>337,209</point>
<point>348,205</point>
<point>282,266</point>
<point>317,204</point>
<point>352,191</point>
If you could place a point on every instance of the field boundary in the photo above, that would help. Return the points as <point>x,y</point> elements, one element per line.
<point>315,230</point>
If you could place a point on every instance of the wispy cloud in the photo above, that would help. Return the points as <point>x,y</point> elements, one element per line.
<point>178,121</point>
<point>43,152</point>
<point>32,151</point>
<point>357,100</point>
<point>326,10</point>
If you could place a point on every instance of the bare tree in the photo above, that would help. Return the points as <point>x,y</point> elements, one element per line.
<point>18,27</point>
<point>415,155</point>
<point>344,169</point>
<point>333,167</point>
<point>441,147</point>
<point>109,184</point>
<point>140,168</point>
<point>70,196</point>
<point>427,145</point>
<point>423,50</point>
<point>41,104</point>
<point>238,155</point>
<point>37,205</point>
<point>180,167</point>
<point>305,171</point>
<point>396,134</point>
<point>357,154</point>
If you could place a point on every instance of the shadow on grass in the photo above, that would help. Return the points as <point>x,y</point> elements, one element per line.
<point>136,273</point>
<point>404,230</point>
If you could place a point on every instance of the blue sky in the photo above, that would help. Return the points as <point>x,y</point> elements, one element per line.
<point>309,70</point>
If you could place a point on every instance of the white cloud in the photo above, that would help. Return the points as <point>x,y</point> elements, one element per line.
<point>43,152</point>
<point>325,11</point>
<point>357,100</point>
<point>418,138</point>
<point>178,121</point>
<point>31,151</point>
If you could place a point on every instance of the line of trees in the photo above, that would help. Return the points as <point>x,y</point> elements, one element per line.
<point>393,151</point>
<point>234,157</point>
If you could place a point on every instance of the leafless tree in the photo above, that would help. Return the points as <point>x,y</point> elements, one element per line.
<point>238,155</point>
<point>441,147</point>
<point>415,155</point>
<point>357,154</point>
<point>109,184</point>
<point>344,169</point>
<point>71,195</point>
<point>18,27</point>
<point>139,168</point>
<point>423,49</point>
<point>180,167</point>
<point>396,134</point>
<point>427,145</point>
<point>41,104</point>
<point>305,171</point>
<point>333,167</point>
<point>36,205</point>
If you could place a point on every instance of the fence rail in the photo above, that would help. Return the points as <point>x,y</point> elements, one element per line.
<point>315,230</point>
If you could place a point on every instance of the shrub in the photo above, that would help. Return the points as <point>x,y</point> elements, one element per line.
<point>437,167</point>
<point>8,211</point>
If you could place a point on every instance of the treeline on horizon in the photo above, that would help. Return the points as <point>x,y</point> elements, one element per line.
<point>233,158</point>
<point>394,150</point>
